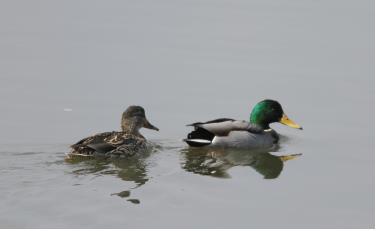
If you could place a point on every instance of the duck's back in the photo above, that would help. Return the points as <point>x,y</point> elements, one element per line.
<point>108,143</point>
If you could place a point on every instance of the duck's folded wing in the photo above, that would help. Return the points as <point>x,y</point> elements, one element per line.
<point>223,128</point>
<point>97,138</point>
<point>211,122</point>
<point>102,147</point>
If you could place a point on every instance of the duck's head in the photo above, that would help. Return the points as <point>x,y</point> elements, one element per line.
<point>269,111</point>
<point>134,118</point>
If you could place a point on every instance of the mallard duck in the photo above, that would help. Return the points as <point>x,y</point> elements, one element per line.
<point>116,143</point>
<point>230,133</point>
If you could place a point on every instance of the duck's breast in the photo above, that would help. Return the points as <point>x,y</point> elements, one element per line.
<point>244,139</point>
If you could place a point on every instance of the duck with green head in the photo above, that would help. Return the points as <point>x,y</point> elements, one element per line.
<point>230,133</point>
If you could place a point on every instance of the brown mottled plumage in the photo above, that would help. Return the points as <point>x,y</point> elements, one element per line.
<point>116,143</point>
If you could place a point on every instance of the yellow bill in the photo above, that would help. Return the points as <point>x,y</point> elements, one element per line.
<point>288,122</point>
<point>289,157</point>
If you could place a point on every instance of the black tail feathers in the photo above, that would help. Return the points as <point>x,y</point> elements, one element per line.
<point>199,137</point>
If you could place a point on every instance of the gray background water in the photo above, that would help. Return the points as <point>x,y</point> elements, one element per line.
<point>186,61</point>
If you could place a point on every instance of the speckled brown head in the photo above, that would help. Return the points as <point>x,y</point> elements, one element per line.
<point>133,119</point>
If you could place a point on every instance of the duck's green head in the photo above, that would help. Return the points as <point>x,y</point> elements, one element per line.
<point>269,111</point>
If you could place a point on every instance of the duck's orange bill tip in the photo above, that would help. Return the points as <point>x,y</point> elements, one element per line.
<point>288,122</point>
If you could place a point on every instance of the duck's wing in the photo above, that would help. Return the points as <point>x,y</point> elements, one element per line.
<point>211,122</point>
<point>222,127</point>
<point>102,147</point>
<point>106,142</point>
<point>95,139</point>
<point>98,143</point>
<point>130,147</point>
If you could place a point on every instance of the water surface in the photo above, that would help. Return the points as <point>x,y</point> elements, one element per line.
<point>70,68</point>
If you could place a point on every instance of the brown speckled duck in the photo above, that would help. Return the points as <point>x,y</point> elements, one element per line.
<point>116,143</point>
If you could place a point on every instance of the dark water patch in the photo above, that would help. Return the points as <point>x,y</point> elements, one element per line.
<point>134,201</point>
<point>22,153</point>
<point>122,194</point>
<point>126,194</point>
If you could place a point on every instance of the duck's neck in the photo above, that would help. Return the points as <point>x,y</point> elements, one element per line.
<point>131,127</point>
<point>259,121</point>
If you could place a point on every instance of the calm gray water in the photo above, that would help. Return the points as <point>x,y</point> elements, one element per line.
<point>187,61</point>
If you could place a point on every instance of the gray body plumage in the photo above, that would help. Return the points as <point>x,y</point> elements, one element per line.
<point>224,128</point>
<point>245,139</point>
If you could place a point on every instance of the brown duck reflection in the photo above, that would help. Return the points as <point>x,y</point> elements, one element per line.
<point>216,162</point>
<point>132,169</point>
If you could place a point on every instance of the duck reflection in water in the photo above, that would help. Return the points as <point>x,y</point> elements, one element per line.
<point>131,169</point>
<point>216,162</point>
